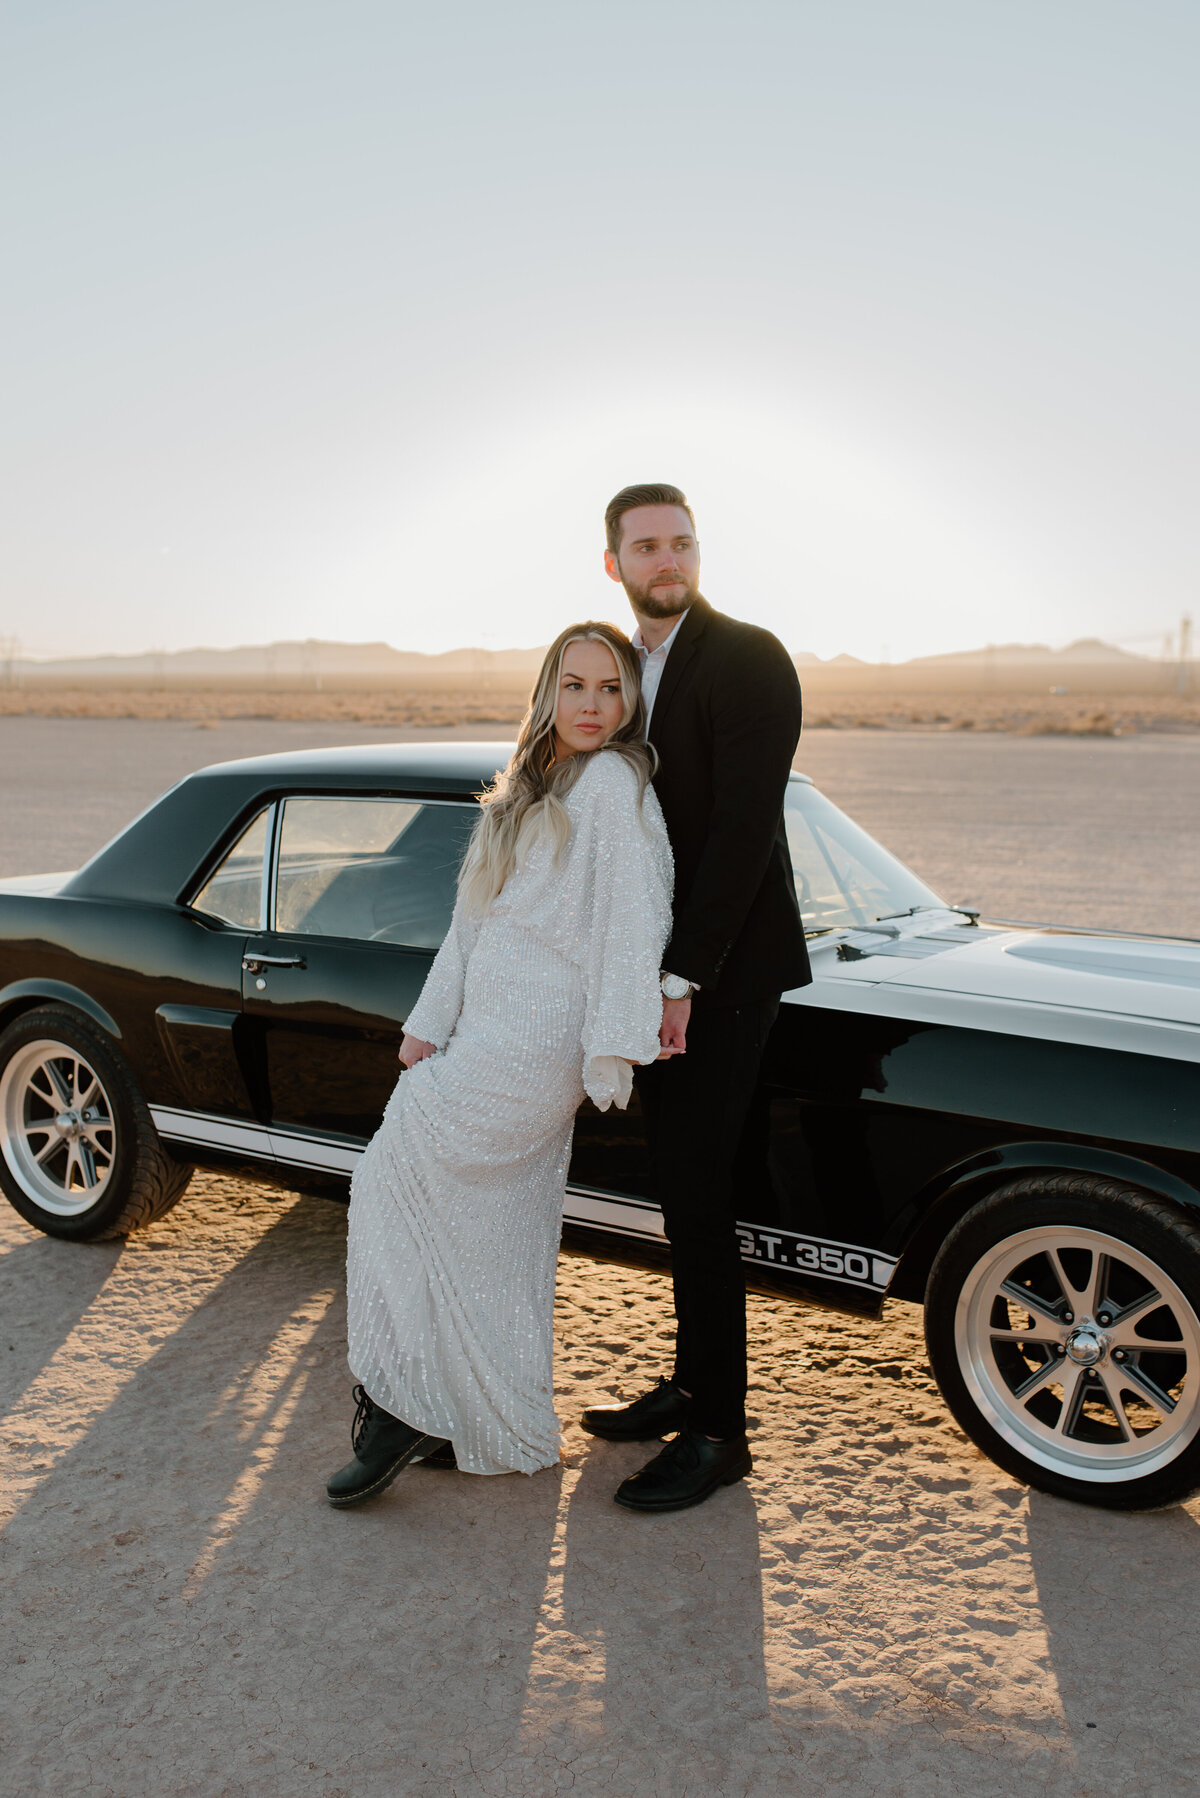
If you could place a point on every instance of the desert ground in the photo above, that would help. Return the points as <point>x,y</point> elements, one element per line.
<point>1100,707</point>
<point>877,1611</point>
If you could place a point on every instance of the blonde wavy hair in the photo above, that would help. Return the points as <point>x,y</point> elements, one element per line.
<point>525,801</point>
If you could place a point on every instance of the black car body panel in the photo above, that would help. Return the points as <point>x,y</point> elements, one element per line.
<point>894,1093</point>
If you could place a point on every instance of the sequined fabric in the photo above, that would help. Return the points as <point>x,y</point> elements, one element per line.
<point>456,1207</point>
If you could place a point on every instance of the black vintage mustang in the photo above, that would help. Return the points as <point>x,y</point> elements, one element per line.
<point>1001,1122</point>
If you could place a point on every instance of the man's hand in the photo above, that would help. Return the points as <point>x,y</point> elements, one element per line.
<point>672,1035</point>
<point>413,1050</point>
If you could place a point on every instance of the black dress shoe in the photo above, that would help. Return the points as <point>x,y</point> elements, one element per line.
<point>656,1414</point>
<point>383,1445</point>
<point>686,1472</point>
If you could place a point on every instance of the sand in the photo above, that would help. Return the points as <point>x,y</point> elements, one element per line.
<point>877,1610</point>
<point>408,710</point>
<point>882,706</point>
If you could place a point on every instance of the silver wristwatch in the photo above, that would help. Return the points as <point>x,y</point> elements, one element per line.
<point>674,986</point>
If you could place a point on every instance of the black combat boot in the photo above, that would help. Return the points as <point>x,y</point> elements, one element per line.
<point>383,1446</point>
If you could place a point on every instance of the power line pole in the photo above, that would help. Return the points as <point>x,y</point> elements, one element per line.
<point>1185,650</point>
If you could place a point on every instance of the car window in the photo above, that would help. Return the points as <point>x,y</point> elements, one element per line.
<point>234,892</point>
<point>843,876</point>
<point>379,870</point>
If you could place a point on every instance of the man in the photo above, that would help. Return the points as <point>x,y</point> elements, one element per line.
<point>724,708</point>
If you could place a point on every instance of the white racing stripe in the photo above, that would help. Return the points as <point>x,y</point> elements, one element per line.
<point>295,1150</point>
<point>608,1211</point>
<point>291,1147</point>
<point>846,1263</point>
<point>784,1251</point>
<point>788,1251</point>
<point>238,1137</point>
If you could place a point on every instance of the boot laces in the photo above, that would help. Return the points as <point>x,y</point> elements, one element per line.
<point>364,1416</point>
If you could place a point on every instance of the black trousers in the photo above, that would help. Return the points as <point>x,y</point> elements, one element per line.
<point>695,1106</point>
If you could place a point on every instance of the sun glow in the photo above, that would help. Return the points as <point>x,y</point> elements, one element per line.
<point>832,536</point>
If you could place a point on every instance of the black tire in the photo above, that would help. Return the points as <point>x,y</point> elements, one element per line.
<point>135,1179</point>
<point>1049,1347</point>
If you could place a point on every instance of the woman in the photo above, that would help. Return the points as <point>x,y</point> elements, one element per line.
<point>546,988</point>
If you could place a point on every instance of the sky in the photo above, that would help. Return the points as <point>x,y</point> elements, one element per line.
<point>345,320</point>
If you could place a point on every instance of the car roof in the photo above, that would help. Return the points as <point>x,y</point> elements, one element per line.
<point>462,767</point>
<point>159,855</point>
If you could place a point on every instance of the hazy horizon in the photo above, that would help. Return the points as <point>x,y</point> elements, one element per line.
<point>347,322</point>
<point>306,654</point>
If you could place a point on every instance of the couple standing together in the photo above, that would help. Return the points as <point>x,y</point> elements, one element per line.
<point>626,913</point>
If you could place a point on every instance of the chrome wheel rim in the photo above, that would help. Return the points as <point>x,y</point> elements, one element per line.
<point>58,1135</point>
<point>1081,1352</point>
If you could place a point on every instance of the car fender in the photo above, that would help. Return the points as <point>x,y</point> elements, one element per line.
<point>24,995</point>
<point>936,1210</point>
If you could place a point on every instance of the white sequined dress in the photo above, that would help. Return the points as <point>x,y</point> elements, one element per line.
<point>456,1207</point>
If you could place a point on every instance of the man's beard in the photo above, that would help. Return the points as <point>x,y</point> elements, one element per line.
<point>646,600</point>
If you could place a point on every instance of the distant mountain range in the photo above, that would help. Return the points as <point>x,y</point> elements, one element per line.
<point>1088,650</point>
<point>275,662</point>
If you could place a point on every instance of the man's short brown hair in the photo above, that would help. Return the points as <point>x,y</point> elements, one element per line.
<point>648,493</point>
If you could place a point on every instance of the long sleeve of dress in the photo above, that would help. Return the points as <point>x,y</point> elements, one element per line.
<point>435,1013</point>
<point>626,926</point>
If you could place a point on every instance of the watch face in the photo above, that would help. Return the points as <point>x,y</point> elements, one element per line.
<point>674,986</point>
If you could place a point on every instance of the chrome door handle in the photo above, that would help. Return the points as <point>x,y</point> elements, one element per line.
<point>254,964</point>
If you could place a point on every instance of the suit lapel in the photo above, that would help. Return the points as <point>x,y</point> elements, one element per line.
<point>682,651</point>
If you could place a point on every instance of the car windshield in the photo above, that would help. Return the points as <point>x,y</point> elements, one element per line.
<point>843,876</point>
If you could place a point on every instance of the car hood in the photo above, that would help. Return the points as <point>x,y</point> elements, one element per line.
<point>1120,976</point>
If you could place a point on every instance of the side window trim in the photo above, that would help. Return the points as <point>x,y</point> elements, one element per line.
<point>270,873</point>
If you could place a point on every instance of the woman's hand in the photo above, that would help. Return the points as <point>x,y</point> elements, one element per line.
<point>672,1036</point>
<point>413,1050</point>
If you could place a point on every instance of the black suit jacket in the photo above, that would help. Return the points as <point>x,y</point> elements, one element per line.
<point>726,723</point>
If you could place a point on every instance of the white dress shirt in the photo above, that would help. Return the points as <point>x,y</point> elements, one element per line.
<point>653,662</point>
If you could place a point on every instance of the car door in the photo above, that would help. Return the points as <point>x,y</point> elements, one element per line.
<point>198,1024</point>
<point>361,892</point>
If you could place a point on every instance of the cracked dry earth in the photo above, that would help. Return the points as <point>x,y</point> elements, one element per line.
<point>877,1611</point>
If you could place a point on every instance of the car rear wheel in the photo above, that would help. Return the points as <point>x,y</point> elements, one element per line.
<point>1062,1318</point>
<point>79,1155</point>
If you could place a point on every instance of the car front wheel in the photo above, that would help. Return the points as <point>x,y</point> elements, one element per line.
<point>79,1155</point>
<point>1062,1318</point>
